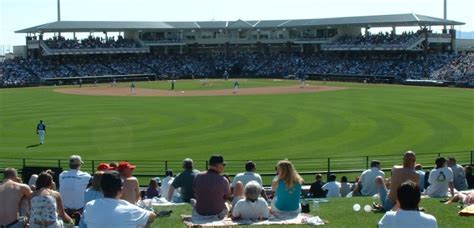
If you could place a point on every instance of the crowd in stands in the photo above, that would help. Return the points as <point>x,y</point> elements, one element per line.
<point>112,197</point>
<point>381,40</point>
<point>59,42</point>
<point>449,67</point>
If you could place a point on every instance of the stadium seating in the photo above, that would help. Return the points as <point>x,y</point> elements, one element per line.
<point>441,66</point>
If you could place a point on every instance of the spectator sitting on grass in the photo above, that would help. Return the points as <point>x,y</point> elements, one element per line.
<point>252,207</point>
<point>419,170</point>
<point>332,188</point>
<point>184,182</point>
<point>211,190</point>
<point>459,175</point>
<point>247,176</point>
<point>47,209</point>
<point>469,177</point>
<point>367,179</point>
<point>238,194</point>
<point>316,190</point>
<point>153,189</point>
<point>131,188</point>
<point>287,189</point>
<point>111,211</point>
<point>345,186</point>
<point>400,174</point>
<point>408,197</point>
<point>12,192</point>
<point>440,179</point>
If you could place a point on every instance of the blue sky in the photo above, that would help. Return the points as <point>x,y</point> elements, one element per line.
<point>19,14</point>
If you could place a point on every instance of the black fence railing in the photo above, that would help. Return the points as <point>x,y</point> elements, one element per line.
<point>349,166</point>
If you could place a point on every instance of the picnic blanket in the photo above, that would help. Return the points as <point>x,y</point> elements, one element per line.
<point>226,222</point>
<point>467,211</point>
<point>161,202</point>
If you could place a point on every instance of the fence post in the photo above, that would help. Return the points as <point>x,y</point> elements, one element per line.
<point>367,162</point>
<point>166,165</point>
<point>24,162</point>
<point>93,165</point>
<point>471,156</point>
<point>329,168</point>
<point>439,154</point>
<point>59,163</point>
<point>207,165</point>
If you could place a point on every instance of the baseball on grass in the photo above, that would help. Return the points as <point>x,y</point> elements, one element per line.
<point>182,91</point>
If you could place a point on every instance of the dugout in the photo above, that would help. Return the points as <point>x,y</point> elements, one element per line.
<point>354,78</point>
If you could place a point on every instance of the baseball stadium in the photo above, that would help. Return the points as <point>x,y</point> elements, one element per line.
<point>328,95</point>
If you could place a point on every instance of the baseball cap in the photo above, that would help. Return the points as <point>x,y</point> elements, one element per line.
<point>103,167</point>
<point>123,165</point>
<point>216,159</point>
<point>75,160</point>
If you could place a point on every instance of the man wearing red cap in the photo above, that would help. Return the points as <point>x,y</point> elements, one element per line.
<point>131,187</point>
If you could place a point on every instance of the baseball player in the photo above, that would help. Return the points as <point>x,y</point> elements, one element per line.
<point>226,75</point>
<point>132,88</point>
<point>236,87</point>
<point>172,84</point>
<point>41,131</point>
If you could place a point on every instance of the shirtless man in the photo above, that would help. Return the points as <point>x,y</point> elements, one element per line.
<point>131,188</point>
<point>12,191</point>
<point>400,174</point>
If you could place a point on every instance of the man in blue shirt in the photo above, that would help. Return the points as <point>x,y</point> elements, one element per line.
<point>41,131</point>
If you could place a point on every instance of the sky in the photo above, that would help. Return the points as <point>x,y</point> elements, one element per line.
<point>20,14</point>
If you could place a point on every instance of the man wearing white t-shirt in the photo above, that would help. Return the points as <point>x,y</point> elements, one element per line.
<point>252,207</point>
<point>440,179</point>
<point>367,179</point>
<point>332,188</point>
<point>111,211</point>
<point>72,185</point>
<point>408,196</point>
<point>248,176</point>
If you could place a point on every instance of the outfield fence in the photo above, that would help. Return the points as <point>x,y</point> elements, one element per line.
<point>349,166</point>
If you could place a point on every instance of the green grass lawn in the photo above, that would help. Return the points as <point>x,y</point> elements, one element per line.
<point>339,213</point>
<point>365,119</point>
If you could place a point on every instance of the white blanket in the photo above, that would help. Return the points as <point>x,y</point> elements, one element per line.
<point>214,222</point>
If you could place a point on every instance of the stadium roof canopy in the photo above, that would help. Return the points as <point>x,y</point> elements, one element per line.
<point>362,21</point>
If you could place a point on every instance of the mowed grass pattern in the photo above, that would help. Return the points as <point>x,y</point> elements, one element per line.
<point>363,120</point>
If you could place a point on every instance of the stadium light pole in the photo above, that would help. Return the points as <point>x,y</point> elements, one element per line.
<point>59,10</point>
<point>445,12</point>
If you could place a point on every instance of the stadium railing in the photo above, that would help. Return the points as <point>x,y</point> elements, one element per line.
<point>349,166</point>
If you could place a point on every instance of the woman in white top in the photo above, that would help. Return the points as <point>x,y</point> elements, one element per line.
<point>47,208</point>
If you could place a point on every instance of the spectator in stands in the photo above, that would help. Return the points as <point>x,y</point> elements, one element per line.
<point>459,175</point>
<point>131,187</point>
<point>346,187</point>
<point>469,177</point>
<point>166,185</point>
<point>287,189</point>
<point>408,197</point>
<point>252,207</point>
<point>72,185</point>
<point>367,179</point>
<point>211,190</point>
<point>47,209</point>
<point>184,181</point>
<point>419,170</point>
<point>441,178</point>
<point>247,176</point>
<point>153,189</point>
<point>400,174</point>
<point>316,190</point>
<point>112,211</point>
<point>332,188</point>
<point>12,192</point>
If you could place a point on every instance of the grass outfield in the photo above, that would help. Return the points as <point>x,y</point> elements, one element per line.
<point>363,120</point>
<point>339,213</point>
